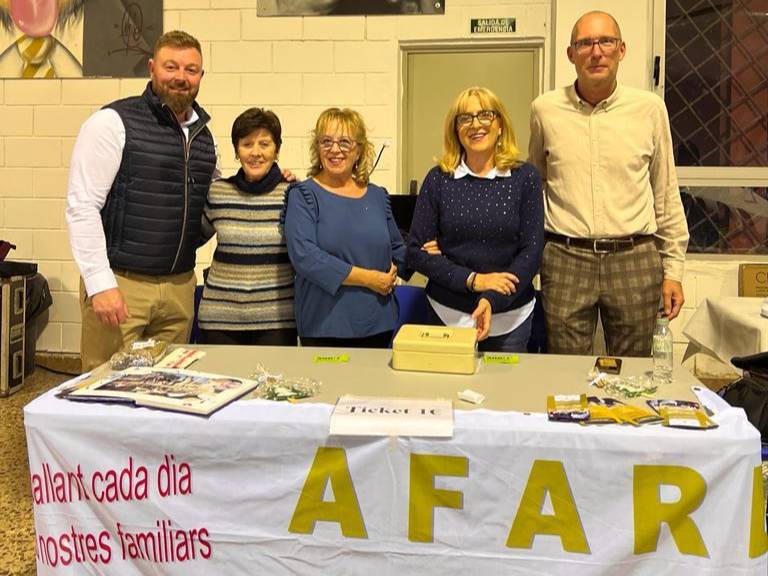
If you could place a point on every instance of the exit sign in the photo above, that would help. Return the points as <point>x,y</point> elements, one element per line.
<point>492,25</point>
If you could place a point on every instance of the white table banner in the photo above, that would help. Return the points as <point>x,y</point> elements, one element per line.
<point>260,488</point>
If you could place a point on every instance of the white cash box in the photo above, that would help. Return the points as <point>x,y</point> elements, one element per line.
<point>435,349</point>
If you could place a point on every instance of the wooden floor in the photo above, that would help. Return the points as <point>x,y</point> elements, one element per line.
<point>17,533</point>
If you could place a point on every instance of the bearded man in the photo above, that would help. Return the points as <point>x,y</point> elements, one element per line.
<point>139,175</point>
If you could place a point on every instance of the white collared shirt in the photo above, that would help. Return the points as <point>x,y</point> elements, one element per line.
<point>463,170</point>
<point>96,159</point>
<point>503,322</point>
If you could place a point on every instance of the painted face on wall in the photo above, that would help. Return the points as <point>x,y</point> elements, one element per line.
<point>38,18</point>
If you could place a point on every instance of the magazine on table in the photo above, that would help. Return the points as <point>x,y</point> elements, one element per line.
<point>166,389</point>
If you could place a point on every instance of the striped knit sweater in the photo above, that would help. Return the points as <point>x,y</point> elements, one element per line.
<point>250,282</point>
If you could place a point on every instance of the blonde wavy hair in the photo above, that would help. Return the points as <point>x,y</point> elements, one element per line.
<point>351,123</point>
<point>507,153</point>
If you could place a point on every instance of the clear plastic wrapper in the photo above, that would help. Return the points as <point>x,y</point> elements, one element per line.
<point>623,386</point>
<point>280,388</point>
<point>141,354</point>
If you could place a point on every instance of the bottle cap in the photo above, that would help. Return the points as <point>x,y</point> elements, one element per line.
<point>662,321</point>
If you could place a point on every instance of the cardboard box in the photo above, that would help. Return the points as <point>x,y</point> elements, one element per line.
<point>753,280</point>
<point>435,349</point>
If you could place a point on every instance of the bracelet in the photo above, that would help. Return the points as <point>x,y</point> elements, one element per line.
<point>471,281</point>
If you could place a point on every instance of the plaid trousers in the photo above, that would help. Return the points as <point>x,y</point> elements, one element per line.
<point>625,287</point>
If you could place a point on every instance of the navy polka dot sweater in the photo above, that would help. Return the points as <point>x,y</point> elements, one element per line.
<point>481,226</point>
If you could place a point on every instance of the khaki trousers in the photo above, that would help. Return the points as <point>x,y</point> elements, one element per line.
<point>160,307</point>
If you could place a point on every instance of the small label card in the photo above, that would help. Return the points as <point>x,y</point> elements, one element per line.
<point>369,416</point>
<point>500,358</point>
<point>330,359</point>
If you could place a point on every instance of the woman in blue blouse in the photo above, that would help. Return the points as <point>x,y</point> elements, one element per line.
<point>478,228</point>
<point>343,241</point>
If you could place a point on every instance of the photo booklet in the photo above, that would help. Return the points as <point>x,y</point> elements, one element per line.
<point>176,390</point>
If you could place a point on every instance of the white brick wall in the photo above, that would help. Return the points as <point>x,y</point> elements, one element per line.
<point>16,120</point>
<point>295,66</point>
<point>25,92</point>
<point>60,120</point>
<point>30,151</point>
<point>88,91</point>
<point>300,56</point>
<point>49,182</point>
<point>255,28</point>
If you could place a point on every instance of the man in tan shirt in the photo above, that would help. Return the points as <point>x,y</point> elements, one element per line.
<point>616,230</point>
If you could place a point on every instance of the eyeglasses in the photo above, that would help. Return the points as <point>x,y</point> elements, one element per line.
<point>607,44</point>
<point>345,144</point>
<point>484,118</point>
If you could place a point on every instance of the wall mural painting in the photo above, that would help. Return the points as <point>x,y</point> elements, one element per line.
<point>74,38</point>
<point>348,7</point>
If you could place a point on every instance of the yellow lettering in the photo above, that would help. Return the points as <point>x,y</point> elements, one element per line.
<point>651,513</point>
<point>424,497</point>
<point>330,465</point>
<point>548,476</point>
<point>758,538</point>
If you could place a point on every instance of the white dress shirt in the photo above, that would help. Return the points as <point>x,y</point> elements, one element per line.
<point>96,159</point>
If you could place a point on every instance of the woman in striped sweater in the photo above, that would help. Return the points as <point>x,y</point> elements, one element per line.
<point>248,294</point>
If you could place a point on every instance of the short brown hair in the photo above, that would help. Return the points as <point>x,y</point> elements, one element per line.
<point>255,119</point>
<point>177,39</point>
<point>352,123</point>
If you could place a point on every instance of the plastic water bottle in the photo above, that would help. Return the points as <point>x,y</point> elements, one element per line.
<point>662,352</point>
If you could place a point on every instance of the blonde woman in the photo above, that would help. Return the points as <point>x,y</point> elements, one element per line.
<point>343,241</point>
<point>477,231</point>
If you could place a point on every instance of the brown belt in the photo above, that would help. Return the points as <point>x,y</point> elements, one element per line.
<point>600,245</point>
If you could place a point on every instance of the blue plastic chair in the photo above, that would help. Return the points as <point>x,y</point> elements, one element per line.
<point>413,310</point>
<point>412,306</point>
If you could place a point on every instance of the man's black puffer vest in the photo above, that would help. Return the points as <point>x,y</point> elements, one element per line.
<point>152,214</point>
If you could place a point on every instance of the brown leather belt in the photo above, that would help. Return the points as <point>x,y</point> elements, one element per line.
<point>600,245</point>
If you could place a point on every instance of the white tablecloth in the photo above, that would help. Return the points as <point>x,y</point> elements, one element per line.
<point>260,488</point>
<point>727,327</point>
